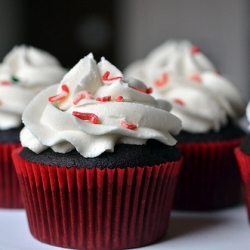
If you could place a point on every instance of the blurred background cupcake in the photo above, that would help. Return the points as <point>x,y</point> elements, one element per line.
<point>209,106</point>
<point>242,154</point>
<point>99,159</point>
<point>24,71</point>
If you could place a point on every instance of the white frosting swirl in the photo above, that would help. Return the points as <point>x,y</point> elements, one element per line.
<point>248,115</point>
<point>111,110</point>
<point>23,73</point>
<point>201,97</point>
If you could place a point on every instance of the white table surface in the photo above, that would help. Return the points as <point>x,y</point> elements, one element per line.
<point>224,229</point>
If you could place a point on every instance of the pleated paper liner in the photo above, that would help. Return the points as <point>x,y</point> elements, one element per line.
<point>97,209</point>
<point>244,167</point>
<point>10,192</point>
<point>209,177</point>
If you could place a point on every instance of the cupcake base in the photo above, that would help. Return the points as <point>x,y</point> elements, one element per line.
<point>97,208</point>
<point>209,177</point>
<point>10,192</point>
<point>244,166</point>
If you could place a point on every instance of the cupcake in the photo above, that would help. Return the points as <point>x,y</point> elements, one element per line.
<point>99,163</point>
<point>242,154</point>
<point>209,106</point>
<point>23,73</point>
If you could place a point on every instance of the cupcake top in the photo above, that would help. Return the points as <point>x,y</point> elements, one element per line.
<point>93,109</point>
<point>202,98</point>
<point>23,73</point>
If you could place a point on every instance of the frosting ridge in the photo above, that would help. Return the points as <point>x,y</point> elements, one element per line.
<point>92,109</point>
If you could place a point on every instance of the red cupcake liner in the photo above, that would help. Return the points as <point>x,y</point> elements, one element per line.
<point>97,209</point>
<point>10,192</point>
<point>244,167</point>
<point>209,177</point>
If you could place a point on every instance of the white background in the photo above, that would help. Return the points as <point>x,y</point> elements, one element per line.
<point>225,229</point>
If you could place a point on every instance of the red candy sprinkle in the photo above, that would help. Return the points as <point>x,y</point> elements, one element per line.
<point>103,99</point>
<point>195,77</point>
<point>128,125</point>
<point>195,50</point>
<point>106,75</point>
<point>6,83</point>
<point>82,95</point>
<point>179,101</point>
<point>163,81</point>
<point>65,88</point>
<point>61,96</point>
<point>86,117</point>
<point>58,97</point>
<point>147,91</point>
<point>119,98</point>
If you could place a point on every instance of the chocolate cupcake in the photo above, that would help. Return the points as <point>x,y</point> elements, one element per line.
<point>209,106</point>
<point>99,158</point>
<point>21,78</point>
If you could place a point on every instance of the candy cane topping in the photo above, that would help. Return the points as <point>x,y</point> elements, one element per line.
<point>128,125</point>
<point>179,101</point>
<point>195,49</point>
<point>103,99</point>
<point>6,82</point>
<point>65,88</point>
<point>162,81</point>
<point>146,91</point>
<point>149,90</point>
<point>60,96</point>
<point>82,95</point>
<point>86,117</point>
<point>119,98</point>
<point>106,75</point>
<point>195,77</point>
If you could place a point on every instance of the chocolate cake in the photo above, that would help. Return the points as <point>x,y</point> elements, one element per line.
<point>154,153</point>
<point>228,132</point>
<point>10,135</point>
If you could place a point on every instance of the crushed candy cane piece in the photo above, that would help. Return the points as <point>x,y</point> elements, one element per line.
<point>105,77</point>
<point>195,77</point>
<point>65,88</point>
<point>162,81</point>
<point>60,96</point>
<point>149,90</point>
<point>82,95</point>
<point>146,91</point>
<point>103,99</point>
<point>195,49</point>
<point>6,82</point>
<point>119,98</point>
<point>179,101</point>
<point>86,117</point>
<point>128,125</point>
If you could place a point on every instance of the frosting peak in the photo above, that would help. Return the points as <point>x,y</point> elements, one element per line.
<point>92,109</point>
